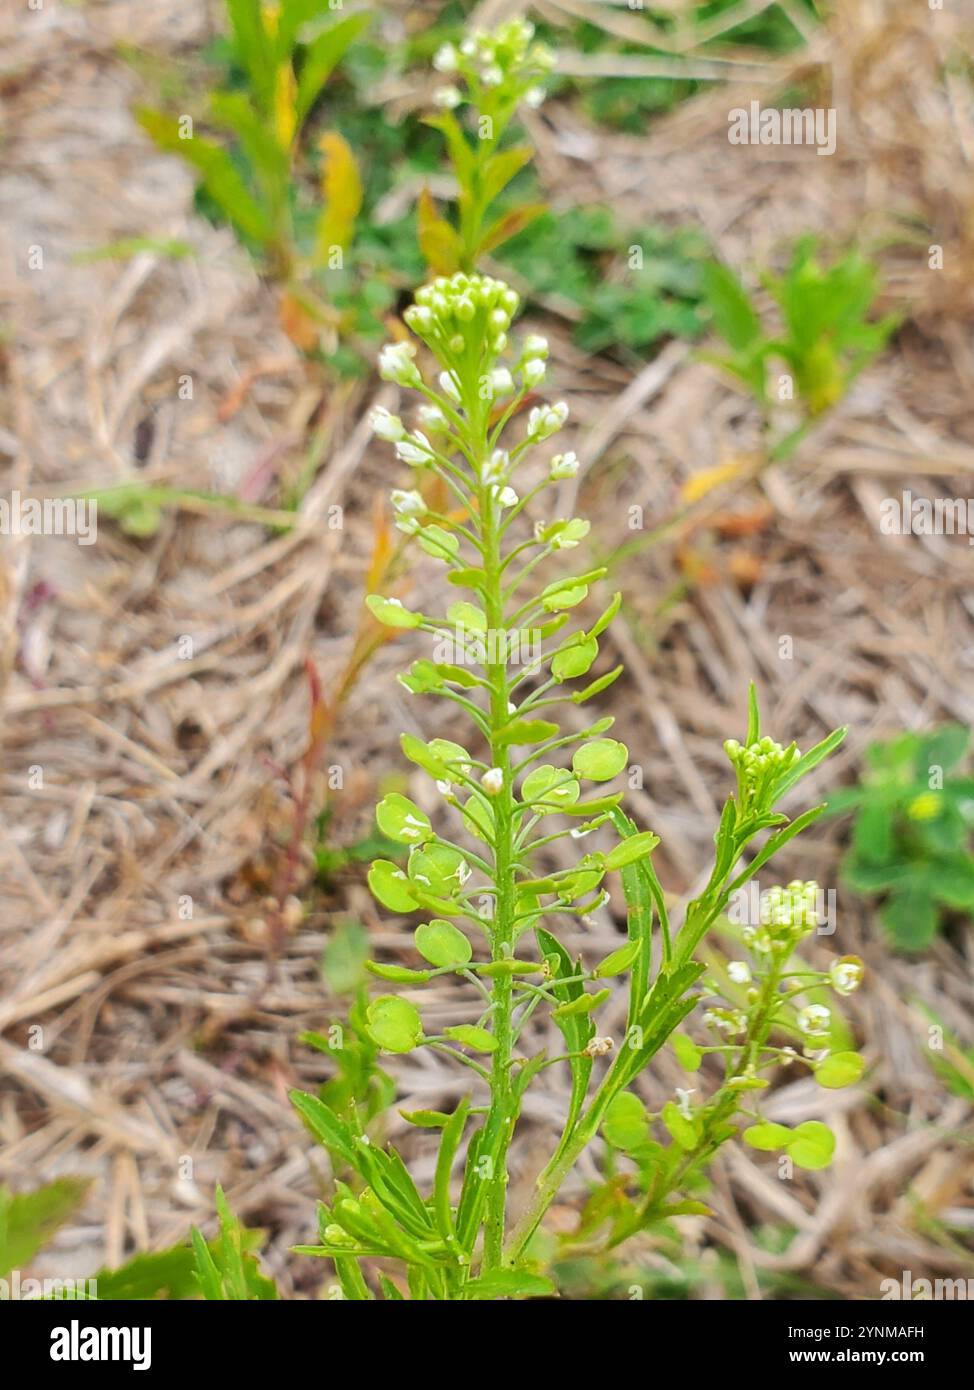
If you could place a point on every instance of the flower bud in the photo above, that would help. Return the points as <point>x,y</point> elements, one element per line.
<point>386,426</point>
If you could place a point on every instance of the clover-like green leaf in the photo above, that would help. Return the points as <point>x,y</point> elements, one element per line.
<point>444,545</point>
<point>391,612</point>
<point>812,1145</point>
<point>551,785</point>
<point>397,974</point>
<point>391,886</point>
<point>394,1024</point>
<point>768,1136</point>
<point>626,1123</point>
<point>477,1039</point>
<point>467,615</point>
<point>628,851</point>
<point>442,944</point>
<point>402,820</point>
<point>840,1069</point>
<point>687,1052</point>
<point>574,657</point>
<point>600,760</point>
<point>684,1132</point>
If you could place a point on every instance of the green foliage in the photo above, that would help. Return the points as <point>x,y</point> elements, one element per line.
<point>29,1220</point>
<point>911,838</point>
<point>283,56</point>
<point>226,1271</point>
<point>489,75</point>
<point>491,896</point>
<point>825,337</point>
<point>223,1269</point>
<point>630,287</point>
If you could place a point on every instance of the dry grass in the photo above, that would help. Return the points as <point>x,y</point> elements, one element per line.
<point>164,1037</point>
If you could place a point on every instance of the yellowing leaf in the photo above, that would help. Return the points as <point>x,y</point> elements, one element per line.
<point>285,116</point>
<point>437,239</point>
<point>341,187</point>
<point>509,225</point>
<point>700,484</point>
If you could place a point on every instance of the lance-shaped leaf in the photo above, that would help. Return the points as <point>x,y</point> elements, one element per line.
<point>576,1029</point>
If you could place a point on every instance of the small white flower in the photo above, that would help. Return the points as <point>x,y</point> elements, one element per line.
<point>740,972</point>
<point>493,781</point>
<point>814,1020</point>
<point>448,98</point>
<point>534,97</point>
<point>444,788</point>
<point>788,1055</point>
<point>535,346</point>
<point>545,420</point>
<point>501,382</point>
<point>683,1102</point>
<point>449,385</point>
<point>408,503</point>
<point>419,318</point>
<point>496,467</point>
<point>445,58</point>
<point>385,425</point>
<point>492,76</point>
<point>533,371</point>
<point>730,1022</point>
<point>396,364</point>
<point>564,465</point>
<point>506,496</point>
<point>414,449</point>
<point>846,974</point>
<point>433,418</point>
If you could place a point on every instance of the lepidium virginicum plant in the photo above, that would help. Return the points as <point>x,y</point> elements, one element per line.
<point>507,655</point>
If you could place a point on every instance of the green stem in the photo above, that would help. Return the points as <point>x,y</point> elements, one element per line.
<point>500,1119</point>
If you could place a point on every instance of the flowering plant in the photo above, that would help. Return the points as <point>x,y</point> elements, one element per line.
<point>489,75</point>
<point>485,898</point>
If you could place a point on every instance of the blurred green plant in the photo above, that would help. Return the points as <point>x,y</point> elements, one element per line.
<point>285,53</point>
<point>359,1083</point>
<point>912,839</point>
<point>826,336</point>
<point>227,1272</point>
<point>28,1220</point>
<point>630,288</point>
<point>489,74</point>
<point>223,1269</point>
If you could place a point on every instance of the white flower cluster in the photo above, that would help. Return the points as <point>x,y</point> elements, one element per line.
<point>787,914</point>
<point>451,312</point>
<point>504,60</point>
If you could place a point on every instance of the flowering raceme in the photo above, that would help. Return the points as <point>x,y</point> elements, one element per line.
<point>489,898</point>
